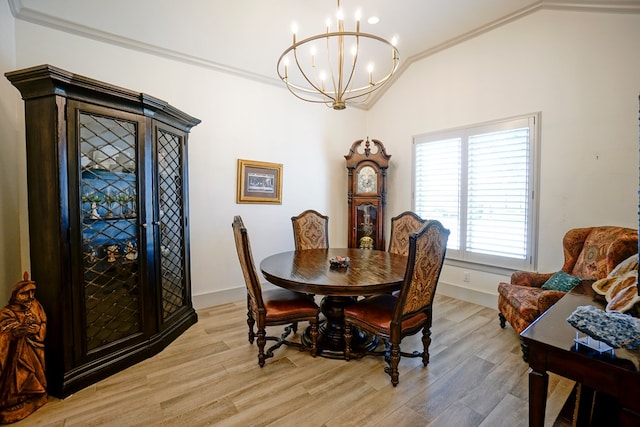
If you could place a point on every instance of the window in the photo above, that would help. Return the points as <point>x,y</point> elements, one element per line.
<point>479,181</point>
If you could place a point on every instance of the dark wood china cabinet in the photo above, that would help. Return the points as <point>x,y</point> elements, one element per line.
<point>108,222</point>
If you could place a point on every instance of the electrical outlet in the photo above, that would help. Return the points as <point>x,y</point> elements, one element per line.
<point>467,276</point>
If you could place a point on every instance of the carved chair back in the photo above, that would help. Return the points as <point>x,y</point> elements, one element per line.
<point>310,230</point>
<point>427,249</point>
<point>401,227</point>
<point>251,278</point>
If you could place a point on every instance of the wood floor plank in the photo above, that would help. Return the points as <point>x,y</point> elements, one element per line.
<point>209,376</point>
<point>497,383</point>
<point>510,412</point>
<point>457,414</point>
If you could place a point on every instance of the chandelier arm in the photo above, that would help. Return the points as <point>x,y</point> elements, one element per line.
<point>313,85</point>
<point>333,79</point>
<point>317,101</point>
<point>299,91</point>
<point>338,89</point>
<point>356,100</point>
<point>359,92</point>
<point>377,84</point>
<point>347,89</point>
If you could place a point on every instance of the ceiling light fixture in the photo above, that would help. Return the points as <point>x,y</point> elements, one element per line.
<point>337,67</point>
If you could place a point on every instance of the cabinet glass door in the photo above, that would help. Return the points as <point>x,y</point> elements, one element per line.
<point>172,227</point>
<point>109,224</point>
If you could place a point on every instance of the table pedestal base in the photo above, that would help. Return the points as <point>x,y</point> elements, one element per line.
<point>331,332</point>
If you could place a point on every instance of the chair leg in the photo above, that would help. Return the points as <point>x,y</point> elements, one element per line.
<point>503,320</point>
<point>347,341</point>
<point>314,338</point>
<point>394,360</point>
<point>250,320</point>
<point>426,342</point>
<point>262,341</point>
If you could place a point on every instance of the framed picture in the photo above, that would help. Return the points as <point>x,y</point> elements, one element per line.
<point>259,182</point>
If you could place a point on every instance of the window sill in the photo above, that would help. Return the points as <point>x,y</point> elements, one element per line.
<point>503,271</point>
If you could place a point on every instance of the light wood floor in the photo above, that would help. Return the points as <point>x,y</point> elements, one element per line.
<point>210,376</point>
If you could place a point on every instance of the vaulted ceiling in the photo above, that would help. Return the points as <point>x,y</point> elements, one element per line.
<point>246,37</point>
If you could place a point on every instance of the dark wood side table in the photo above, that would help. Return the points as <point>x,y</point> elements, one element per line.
<point>550,347</point>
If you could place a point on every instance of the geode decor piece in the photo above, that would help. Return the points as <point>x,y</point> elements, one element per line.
<point>615,329</point>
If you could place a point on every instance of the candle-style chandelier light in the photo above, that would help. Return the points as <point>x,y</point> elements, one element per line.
<point>339,67</point>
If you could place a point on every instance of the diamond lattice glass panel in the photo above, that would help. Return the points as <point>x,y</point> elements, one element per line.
<point>171,220</point>
<point>109,229</point>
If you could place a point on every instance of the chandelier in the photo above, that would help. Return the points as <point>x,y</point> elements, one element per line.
<point>338,67</point>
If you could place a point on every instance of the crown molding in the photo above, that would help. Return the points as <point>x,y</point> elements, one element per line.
<point>626,7</point>
<point>39,18</point>
<point>45,20</point>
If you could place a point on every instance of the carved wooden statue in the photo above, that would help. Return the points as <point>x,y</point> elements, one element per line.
<point>23,326</point>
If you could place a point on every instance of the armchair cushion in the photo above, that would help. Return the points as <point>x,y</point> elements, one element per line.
<point>524,304</point>
<point>548,298</point>
<point>561,281</point>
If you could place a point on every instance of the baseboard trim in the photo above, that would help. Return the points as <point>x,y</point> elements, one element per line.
<point>467,294</point>
<point>219,297</point>
<point>224,296</point>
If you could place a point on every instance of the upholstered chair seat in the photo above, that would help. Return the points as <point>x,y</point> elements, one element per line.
<point>375,313</point>
<point>590,254</point>
<point>281,304</point>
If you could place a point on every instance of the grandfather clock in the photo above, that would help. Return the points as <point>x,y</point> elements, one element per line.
<point>367,194</point>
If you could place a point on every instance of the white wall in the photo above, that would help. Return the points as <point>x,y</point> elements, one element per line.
<point>240,119</point>
<point>12,165</point>
<point>581,71</point>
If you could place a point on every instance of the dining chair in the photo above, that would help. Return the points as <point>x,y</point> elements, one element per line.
<point>401,227</point>
<point>310,230</point>
<point>273,307</point>
<point>392,317</point>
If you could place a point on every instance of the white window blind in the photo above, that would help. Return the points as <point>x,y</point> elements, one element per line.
<point>437,185</point>
<point>478,181</point>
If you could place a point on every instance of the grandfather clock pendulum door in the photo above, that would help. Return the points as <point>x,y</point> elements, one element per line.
<point>367,194</point>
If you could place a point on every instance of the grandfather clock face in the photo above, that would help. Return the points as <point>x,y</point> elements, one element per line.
<point>367,181</point>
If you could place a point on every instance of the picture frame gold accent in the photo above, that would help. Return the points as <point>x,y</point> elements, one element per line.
<point>259,182</point>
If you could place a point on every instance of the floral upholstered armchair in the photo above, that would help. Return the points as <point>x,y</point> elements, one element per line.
<point>589,254</point>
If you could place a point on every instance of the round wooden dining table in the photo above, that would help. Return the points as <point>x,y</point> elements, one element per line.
<point>369,272</point>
